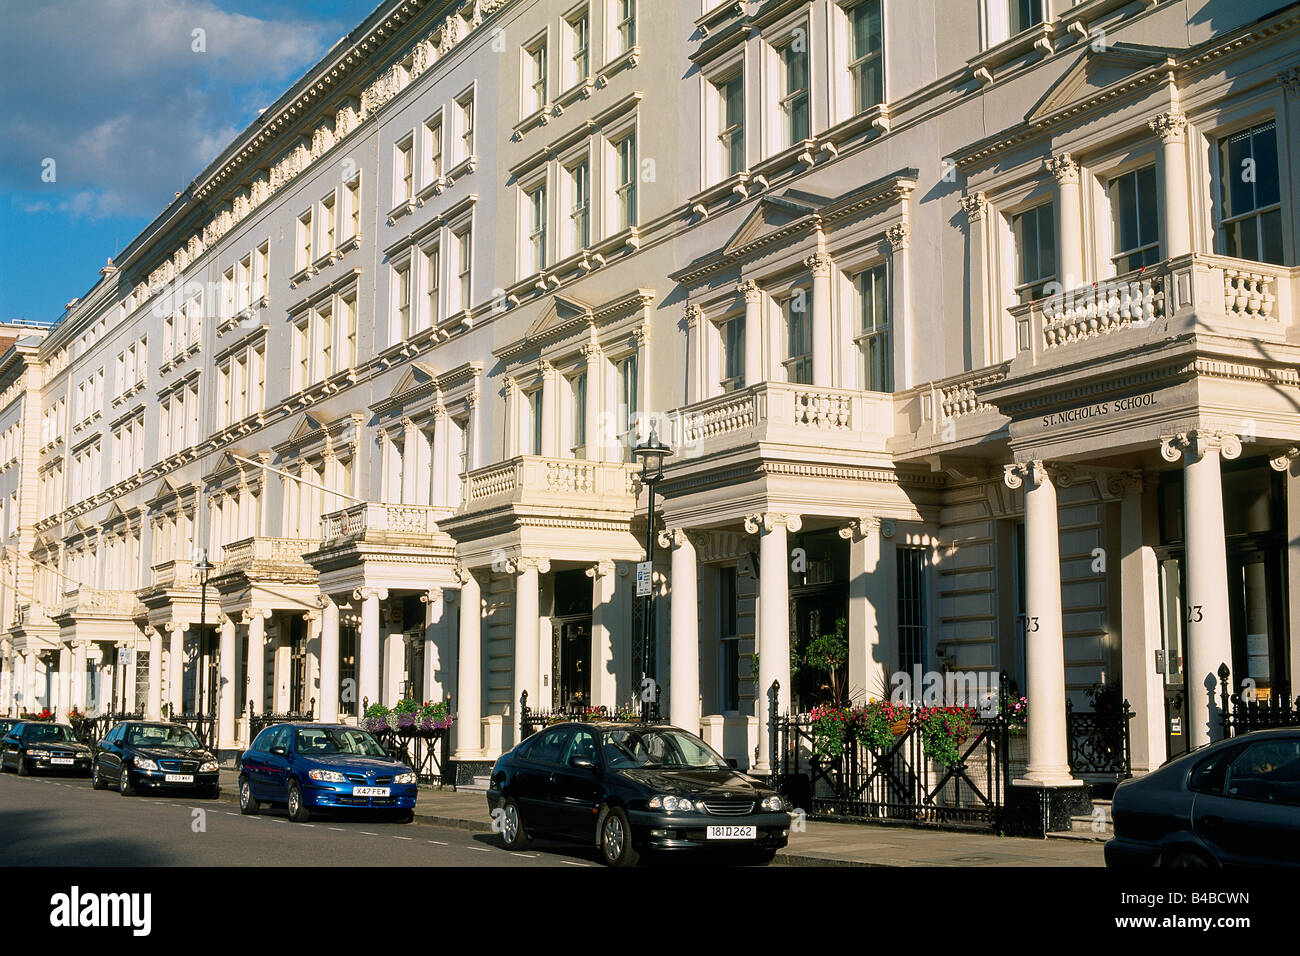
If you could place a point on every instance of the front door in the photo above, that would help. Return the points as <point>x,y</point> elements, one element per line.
<point>573,647</point>
<point>1255,586</point>
<point>297,664</point>
<point>1173,638</point>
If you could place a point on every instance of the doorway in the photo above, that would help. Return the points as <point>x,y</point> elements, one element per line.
<point>571,626</point>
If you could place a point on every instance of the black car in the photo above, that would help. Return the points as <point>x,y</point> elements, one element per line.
<point>7,724</point>
<point>1233,803</point>
<point>630,788</point>
<point>42,745</point>
<point>154,756</point>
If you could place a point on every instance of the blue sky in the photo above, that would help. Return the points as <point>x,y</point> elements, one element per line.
<point>114,94</point>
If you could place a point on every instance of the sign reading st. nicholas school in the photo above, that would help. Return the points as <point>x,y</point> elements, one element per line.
<point>1099,410</point>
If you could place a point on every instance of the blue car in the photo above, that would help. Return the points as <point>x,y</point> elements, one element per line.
<point>323,766</point>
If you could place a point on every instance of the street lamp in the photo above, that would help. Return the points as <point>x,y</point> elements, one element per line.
<point>204,568</point>
<point>652,453</point>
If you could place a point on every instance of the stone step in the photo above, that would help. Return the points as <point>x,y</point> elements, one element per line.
<point>480,785</point>
<point>1086,823</point>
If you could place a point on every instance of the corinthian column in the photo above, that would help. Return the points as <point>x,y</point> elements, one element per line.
<point>753,331</point>
<point>1175,227</point>
<point>1209,632</point>
<point>469,677</point>
<point>684,634</point>
<point>819,264</point>
<point>1069,228</point>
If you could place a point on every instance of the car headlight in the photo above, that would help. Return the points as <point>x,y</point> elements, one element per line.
<point>404,778</point>
<point>774,803</point>
<point>38,753</point>
<point>327,776</point>
<point>674,804</point>
<point>144,763</point>
<point>209,766</point>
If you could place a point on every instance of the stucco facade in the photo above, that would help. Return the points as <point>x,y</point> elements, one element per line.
<point>949,315</point>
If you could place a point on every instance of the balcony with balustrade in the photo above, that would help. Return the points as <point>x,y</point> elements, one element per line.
<point>383,545</point>
<point>532,504</point>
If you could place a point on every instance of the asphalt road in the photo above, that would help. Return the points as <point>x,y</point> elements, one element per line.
<point>61,821</point>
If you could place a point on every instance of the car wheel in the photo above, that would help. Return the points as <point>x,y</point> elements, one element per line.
<point>97,782</point>
<point>513,834</point>
<point>124,782</point>
<point>762,857</point>
<point>1185,858</point>
<point>616,840</point>
<point>298,811</point>
<point>405,816</point>
<point>247,802</point>
<point>214,793</point>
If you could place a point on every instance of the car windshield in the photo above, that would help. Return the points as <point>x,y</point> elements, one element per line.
<point>658,747</point>
<point>321,741</point>
<point>48,732</point>
<point>162,736</point>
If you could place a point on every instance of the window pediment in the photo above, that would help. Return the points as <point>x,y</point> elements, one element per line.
<point>1096,71</point>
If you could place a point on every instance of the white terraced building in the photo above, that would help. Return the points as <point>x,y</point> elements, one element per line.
<point>384,360</point>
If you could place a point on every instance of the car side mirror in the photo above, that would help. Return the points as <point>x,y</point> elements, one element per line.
<point>582,763</point>
<point>280,751</point>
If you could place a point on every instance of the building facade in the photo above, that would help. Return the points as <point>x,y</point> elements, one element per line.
<point>971,324</point>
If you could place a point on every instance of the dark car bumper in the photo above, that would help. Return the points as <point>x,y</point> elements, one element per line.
<point>1121,853</point>
<point>328,796</point>
<point>656,830</point>
<point>80,764</point>
<point>157,780</point>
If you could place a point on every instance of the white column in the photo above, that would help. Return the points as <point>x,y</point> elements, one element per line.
<point>477,437</point>
<point>1069,222</point>
<point>868,605</point>
<point>440,465</point>
<point>467,702</point>
<point>226,692</point>
<point>1209,631</point>
<point>684,633</point>
<point>79,678</point>
<point>329,661</point>
<point>369,659</point>
<point>64,683</point>
<point>1139,629</point>
<point>596,450</point>
<point>435,648</point>
<point>255,666</point>
<point>819,264</point>
<point>987,344</point>
<point>774,621</point>
<point>753,331</point>
<point>1175,227</point>
<point>899,237</point>
<point>153,694</point>
<point>604,623</point>
<point>176,667</point>
<point>528,633</point>
<point>1049,764</point>
<point>550,417</point>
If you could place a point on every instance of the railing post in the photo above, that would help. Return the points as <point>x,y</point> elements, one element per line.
<point>523,715</point>
<point>1225,712</point>
<point>774,765</point>
<point>1126,716</point>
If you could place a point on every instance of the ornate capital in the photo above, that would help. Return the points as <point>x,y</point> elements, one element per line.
<point>1063,168</point>
<point>1194,445</point>
<point>1122,483</point>
<point>601,569</point>
<point>464,575</point>
<point>1290,80</point>
<point>1170,127</point>
<point>365,594</point>
<point>540,565</point>
<point>975,205</point>
<point>1283,461</point>
<point>693,314</point>
<point>431,596</point>
<point>898,236</point>
<point>1038,472</point>
<point>750,291</point>
<point>770,521</point>
<point>867,525</point>
<point>819,263</point>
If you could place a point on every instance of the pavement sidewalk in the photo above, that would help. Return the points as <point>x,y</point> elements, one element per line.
<point>821,844</point>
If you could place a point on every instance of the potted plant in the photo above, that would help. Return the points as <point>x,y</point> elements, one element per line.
<point>881,721</point>
<point>1015,708</point>
<point>831,725</point>
<point>402,717</point>
<point>943,731</point>
<point>433,717</point>
<point>376,718</point>
<point>827,655</point>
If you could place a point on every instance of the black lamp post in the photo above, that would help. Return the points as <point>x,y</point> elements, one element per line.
<point>652,453</point>
<point>204,568</point>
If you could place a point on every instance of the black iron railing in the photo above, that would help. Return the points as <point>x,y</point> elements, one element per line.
<point>1099,741</point>
<point>531,721</point>
<point>900,782</point>
<point>92,729</point>
<point>202,726</point>
<point>1242,716</point>
<point>259,722</point>
<point>427,752</point>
